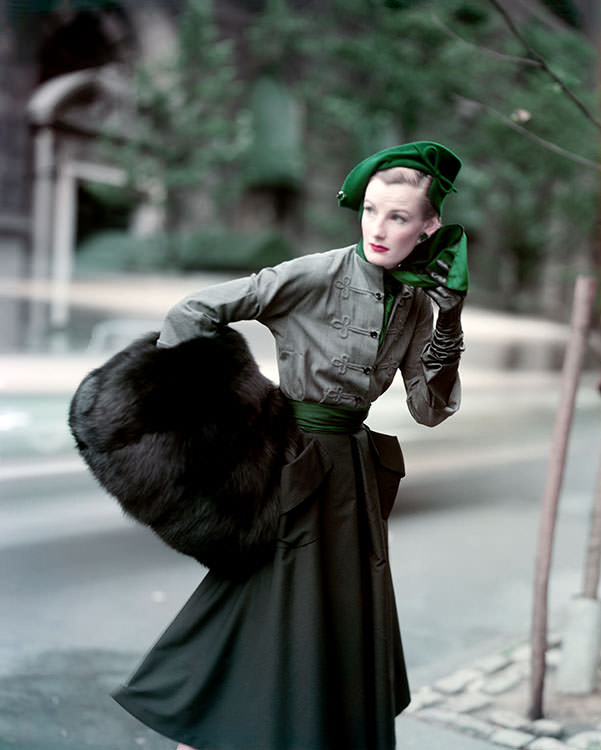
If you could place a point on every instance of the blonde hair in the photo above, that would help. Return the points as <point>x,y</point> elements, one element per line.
<point>409,176</point>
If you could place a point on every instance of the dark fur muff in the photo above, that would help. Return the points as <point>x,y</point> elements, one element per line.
<point>191,440</point>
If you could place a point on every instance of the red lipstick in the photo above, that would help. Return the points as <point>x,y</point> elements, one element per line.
<point>378,248</point>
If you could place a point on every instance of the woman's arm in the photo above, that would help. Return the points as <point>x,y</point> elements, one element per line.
<point>262,296</point>
<point>430,372</point>
<point>202,313</point>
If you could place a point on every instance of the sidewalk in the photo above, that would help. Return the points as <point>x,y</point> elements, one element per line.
<point>488,700</point>
<point>417,735</point>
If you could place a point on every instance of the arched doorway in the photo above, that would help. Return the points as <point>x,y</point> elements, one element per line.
<point>65,112</point>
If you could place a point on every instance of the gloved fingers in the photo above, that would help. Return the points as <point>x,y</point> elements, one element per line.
<point>441,274</point>
<point>441,277</point>
<point>445,297</point>
<point>443,266</point>
<point>438,278</point>
<point>435,294</point>
<point>454,296</point>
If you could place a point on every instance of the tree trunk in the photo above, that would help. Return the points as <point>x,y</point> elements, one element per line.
<point>576,347</point>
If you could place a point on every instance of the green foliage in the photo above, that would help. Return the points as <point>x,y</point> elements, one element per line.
<point>223,249</point>
<point>276,158</point>
<point>276,38</point>
<point>120,250</point>
<point>186,121</point>
<point>210,248</point>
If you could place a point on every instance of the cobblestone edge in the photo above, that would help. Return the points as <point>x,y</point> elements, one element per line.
<point>465,701</point>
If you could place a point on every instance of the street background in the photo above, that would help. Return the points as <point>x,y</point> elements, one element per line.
<point>85,592</point>
<point>151,148</point>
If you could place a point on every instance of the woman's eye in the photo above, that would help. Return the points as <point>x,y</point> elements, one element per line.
<point>369,209</point>
<point>399,219</point>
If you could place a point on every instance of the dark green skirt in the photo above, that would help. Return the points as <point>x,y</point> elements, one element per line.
<point>306,653</point>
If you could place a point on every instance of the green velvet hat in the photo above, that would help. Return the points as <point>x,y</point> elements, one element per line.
<point>427,156</point>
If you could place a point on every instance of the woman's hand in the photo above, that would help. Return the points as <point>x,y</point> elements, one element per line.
<point>446,343</point>
<point>449,301</point>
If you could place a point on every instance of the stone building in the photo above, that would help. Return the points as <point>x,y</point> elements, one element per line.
<point>57,84</point>
<point>65,70</point>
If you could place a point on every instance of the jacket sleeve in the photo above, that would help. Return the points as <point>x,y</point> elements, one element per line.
<point>425,385</point>
<point>263,296</point>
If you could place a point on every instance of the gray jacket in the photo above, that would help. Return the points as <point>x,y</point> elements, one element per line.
<point>325,312</point>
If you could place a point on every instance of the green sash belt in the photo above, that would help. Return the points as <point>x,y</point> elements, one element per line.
<point>312,417</point>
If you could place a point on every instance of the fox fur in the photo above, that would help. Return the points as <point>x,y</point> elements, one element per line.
<point>191,441</point>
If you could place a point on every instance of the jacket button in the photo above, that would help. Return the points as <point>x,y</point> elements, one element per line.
<point>379,296</point>
<point>374,334</point>
<point>367,370</point>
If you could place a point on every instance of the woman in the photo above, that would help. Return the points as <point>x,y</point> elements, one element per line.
<point>304,652</point>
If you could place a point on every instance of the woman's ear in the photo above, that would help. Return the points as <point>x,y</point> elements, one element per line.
<point>431,225</point>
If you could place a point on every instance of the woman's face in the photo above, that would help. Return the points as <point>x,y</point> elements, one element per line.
<point>392,222</point>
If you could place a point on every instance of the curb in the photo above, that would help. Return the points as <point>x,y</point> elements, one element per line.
<point>470,701</point>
